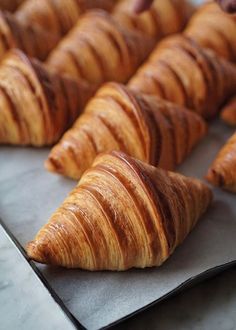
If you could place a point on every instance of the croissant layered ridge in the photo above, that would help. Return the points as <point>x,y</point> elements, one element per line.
<point>122,214</point>
<point>212,28</point>
<point>57,16</point>
<point>98,49</point>
<point>36,106</point>
<point>184,73</point>
<point>163,18</point>
<point>32,40</point>
<point>145,127</point>
<point>222,172</point>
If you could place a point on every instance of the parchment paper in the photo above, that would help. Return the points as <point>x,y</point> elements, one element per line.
<point>29,195</point>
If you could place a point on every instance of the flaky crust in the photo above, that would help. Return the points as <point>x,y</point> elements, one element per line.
<point>32,40</point>
<point>163,18</point>
<point>182,72</point>
<point>57,16</point>
<point>122,214</point>
<point>97,49</point>
<point>222,172</point>
<point>212,28</point>
<point>144,127</point>
<point>36,105</point>
<point>228,113</point>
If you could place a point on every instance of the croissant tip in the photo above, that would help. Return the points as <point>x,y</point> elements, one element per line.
<point>53,165</point>
<point>33,251</point>
<point>215,178</point>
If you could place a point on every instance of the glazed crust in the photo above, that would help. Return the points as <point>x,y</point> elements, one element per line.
<point>144,127</point>
<point>222,172</point>
<point>32,40</point>
<point>36,105</point>
<point>122,214</point>
<point>228,113</point>
<point>182,72</point>
<point>103,47</point>
<point>212,28</point>
<point>57,16</point>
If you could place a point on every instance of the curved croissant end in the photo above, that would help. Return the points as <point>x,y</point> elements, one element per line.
<point>222,172</point>
<point>98,49</point>
<point>57,16</point>
<point>212,28</point>
<point>32,40</point>
<point>144,127</point>
<point>36,106</point>
<point>122,214</point>
<point>228,113</point>
<point>182,72</point>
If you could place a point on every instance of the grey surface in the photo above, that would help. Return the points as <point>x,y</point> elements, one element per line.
<point>210,305</point>
<point>28,195</point>
<point>24,301</point>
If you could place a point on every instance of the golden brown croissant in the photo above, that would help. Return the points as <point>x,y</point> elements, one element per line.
<point>32,40</point>
<point>180,71</point>
<point>36,106</point>
<point>222,172</point>
<point>122,214</point>
<point>10,5</point>
<point>163,18</point>
<point>57,16</point>
<point>228,114</point>
<point>97,49</point>
<point>145,127</point>
<point>212,28</point>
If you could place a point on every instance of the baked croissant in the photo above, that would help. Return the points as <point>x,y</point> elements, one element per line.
<point>10,5</point>
<point>123,213</point>
<point>97,49</point>
<point>180,71</point>
<point>228,113</point>
<point>36,106</point>
<point>212,28</point>
<point>32,40</point>
<point>222,172</point>
<point>163,18</point>
<point>57,16</point>
<point>145,127</point>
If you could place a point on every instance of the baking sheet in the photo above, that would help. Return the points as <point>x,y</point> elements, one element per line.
<point>29,195</point>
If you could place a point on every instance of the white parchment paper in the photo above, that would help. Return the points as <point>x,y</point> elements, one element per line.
<point>29,195</point>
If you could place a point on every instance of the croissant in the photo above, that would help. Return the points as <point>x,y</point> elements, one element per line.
<point>57,16</point>
<point>228,114</point>
<point>163,18</point>
<point>102,48</point>
<point>145,127</point>
<point>122,214</point>
<point>32,40</point>
<point>36,106</point>
<point>97,49</point>
<point>10,5</point>
<point>180,71</point>
<point>212,28</point>
<point>222,172</point>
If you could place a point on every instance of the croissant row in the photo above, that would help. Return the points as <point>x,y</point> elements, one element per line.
<point>103,47</point>
<point>182,72</point>
<point>222,172</point>
<point>122,214</point>
<point>212,28</point>
<point>36,106</point>
<point>32,40</point>
<point>145,127</point>
<point>57,16</point>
